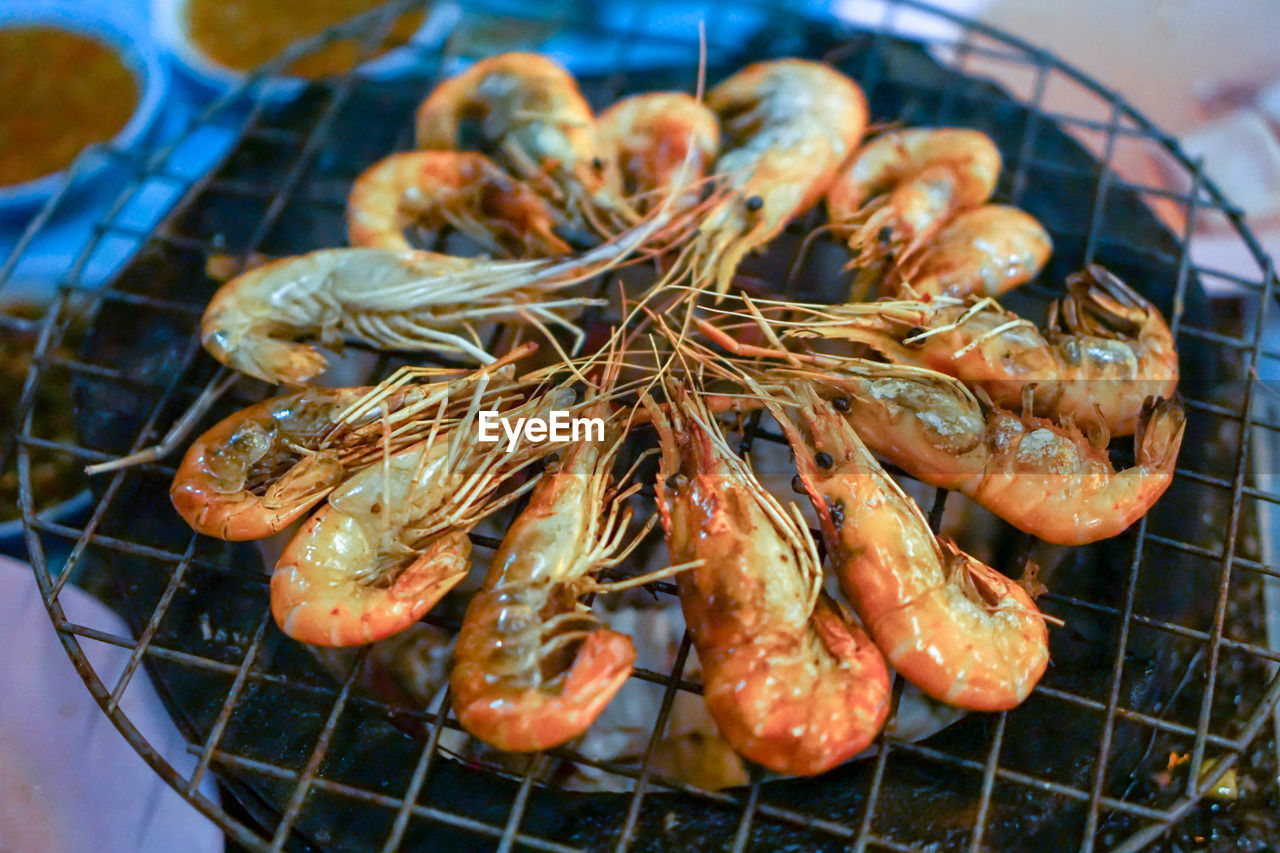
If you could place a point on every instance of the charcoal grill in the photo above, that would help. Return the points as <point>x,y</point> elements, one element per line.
<point>1155,620</point>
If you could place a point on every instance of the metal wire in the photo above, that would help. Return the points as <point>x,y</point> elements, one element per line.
<point>255,669</point>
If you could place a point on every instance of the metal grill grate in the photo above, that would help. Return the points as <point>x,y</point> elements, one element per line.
<point>325,786</point>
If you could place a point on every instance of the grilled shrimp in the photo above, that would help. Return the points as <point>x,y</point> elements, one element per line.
<point>1046,479</point>
<point>1115,347</point>
<point>1107,351</point>
<point>790,123</point>
<point>242,479</point>
<point>1043,478</point>
<point>954,627</point>
<point>464,190</point>
<point>790,681</point>
<point>534,667</point>
<point>530,116</point>
<point>902,186</point>
<point>392,540</point>
<point>652,136</point>
<point>403,300</point>
<point>986,251</point>
<point>262,468</point>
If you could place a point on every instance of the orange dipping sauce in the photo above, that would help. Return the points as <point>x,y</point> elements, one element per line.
<point>61,92</point>
<point>243,34</point>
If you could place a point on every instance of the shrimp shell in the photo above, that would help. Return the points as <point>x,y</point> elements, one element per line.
<point>790,124</point>
<point>464,190</point>
<point>532,118</point>
<point>516,684</point>
<point>403,300</point>
<point>790,681</point>
<point>954,627</point>
<point>1107,350</point>
<point>392,540</point>
<point>987,251</point>
<point>1044,478</point>
<point>922,177</point>
<point>652,136</point>
<point>214,489</point>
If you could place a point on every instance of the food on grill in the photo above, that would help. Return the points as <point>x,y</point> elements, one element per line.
<point>1045,478</point>
<point>450,189</point>
<point>790,680</point>
<point>967,397</point>
<point>985,250</point>
<point>788,125</point>
<point>403,300</point>
<point>262,468</point>
<point>901,187</point>
<point>1106,351</point>
<point>63,91</point>
<point>952,626</point>
<point>393,539</point>
<point>534,666</point>
<point>527,112</point>
<point>243,34</point>
<point>653,138</point>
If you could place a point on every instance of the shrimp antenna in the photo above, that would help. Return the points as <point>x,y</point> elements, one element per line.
<point>805,246</point>
<point>700,89</point>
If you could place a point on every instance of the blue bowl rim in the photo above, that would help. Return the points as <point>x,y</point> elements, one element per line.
<point>125,34</point>
<point>169,31</point>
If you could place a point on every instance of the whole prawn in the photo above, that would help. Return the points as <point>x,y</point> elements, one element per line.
<point>531,117</point>
<point>904,185</point>
<point>1047,479</point>
<point>392,540</point>
<point>404,300</point>
<point>533,666</point>
<point>242,480</point>
<point>1107,349</point>
<point>260,469</point>
<point>987,250</point>
<point>1044,478</point>
<point>461,189</point>
<point>954,627</point>
<point>789,123</point>
<point>790,681</point>
<point>652,137</point>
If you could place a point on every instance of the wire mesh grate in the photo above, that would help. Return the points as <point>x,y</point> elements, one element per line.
<point>282,170</point>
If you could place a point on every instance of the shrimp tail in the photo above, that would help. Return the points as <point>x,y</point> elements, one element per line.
<point>521,720</point>
<point>1158,437</point>
<point>370,611</point>
<point>1101,304</point>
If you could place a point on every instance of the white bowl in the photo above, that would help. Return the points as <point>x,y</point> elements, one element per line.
<point>130,40</point>
<point>169,27</point>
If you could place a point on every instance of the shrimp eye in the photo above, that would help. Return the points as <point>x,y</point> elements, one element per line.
<point>754,203</point>
<point>840,404</point>
<point>797,485</point>
<point>673,482</point>
<point>823,459</point>
<point>885,235</point>
<point>597,164</point>
<point>551,462</point>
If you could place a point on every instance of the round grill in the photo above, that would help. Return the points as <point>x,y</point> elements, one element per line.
<point>1162,651</point>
